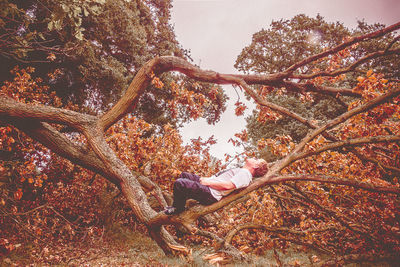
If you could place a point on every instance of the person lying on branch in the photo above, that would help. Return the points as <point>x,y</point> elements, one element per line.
<point>208,190</point>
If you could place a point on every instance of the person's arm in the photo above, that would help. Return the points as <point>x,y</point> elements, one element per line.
<point>217,185</point>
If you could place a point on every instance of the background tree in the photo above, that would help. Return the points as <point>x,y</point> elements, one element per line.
<point>97,47</point>
<point>332,191</point>
<point>289,41</point>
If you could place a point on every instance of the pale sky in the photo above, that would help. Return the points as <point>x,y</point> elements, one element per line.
<point>216,31</point>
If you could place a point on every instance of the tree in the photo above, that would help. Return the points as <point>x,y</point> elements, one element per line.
<point>344,152</point>
<point>288,41</point>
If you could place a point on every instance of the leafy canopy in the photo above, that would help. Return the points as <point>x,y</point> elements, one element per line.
<point>97,46</point>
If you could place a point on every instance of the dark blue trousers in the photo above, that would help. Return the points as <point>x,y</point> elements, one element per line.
<point>188,186</point>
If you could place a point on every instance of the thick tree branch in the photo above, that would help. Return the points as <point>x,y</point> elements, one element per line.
<point>128,101</point>
<point>169,63</point>
<point>13,109</point>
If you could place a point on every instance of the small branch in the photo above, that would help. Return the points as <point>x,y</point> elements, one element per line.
<point>310,245</point>
<point>334,180</point>
<point>348,68</point>
<point>378,163</point>
<point>366,230</point>
<point>392,43</point>
<point>276,255</point>
<point>350,142</point>
<point>26,212</point>
<point>60,215</point>
<point>310,87</point>
<point>234,231</point>
<point>348,43</point>
<point>273,106</point>
<point>24,227</point>
<point>288,199</point>
<point>279,198</point>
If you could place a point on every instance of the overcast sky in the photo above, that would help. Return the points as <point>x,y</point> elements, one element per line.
<point>216,31</point>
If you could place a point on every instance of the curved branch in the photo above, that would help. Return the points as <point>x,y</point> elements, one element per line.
<point>129,100</point>
<point>348,68</point>
<point>348,43</point>
<point>335,180</point>
<point>228,248</point>
<point>149,186</point>
<point>170,63</point>
<point>350,142</point>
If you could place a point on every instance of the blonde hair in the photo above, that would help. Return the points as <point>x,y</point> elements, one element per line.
<point>261,169</point>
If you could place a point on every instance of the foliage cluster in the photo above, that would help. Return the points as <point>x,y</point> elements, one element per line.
<point>97,47</point>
